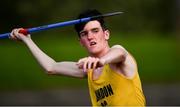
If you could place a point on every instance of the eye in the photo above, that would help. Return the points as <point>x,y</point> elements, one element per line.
<point>95,30</point>
<point>82,34</point>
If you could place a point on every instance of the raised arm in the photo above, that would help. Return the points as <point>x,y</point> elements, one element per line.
<point>50,66</point>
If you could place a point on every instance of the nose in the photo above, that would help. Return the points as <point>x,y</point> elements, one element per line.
<point>90,35</point>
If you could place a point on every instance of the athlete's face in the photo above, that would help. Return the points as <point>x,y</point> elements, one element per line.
<point>94,38</point>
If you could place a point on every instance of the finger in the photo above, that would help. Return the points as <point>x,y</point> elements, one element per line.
<point>91,62</point>
<point>89,65</point>
<point>81,60</point>
<point>80,65</point>
<point>85,65</point>
<point>12,33</point>
<point>12,36</point>
<point>18,34</point>
<point>95,63</point>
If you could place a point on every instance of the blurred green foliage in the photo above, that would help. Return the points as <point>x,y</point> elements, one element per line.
<point>139,15</point>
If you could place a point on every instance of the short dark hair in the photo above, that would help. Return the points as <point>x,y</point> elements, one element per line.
<point>88,13</point>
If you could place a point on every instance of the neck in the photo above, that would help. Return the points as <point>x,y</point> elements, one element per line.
<point>101,53</point>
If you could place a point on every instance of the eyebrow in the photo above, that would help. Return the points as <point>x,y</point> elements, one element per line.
<point>90,30</point>
<point>82,31</point>
<point>95,28</point>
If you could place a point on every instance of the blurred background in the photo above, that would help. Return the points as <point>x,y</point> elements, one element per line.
<point>150,30</point>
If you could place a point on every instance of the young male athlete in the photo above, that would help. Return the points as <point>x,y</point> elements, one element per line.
<point>112,72</point>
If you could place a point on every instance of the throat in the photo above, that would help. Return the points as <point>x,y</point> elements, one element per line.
<point>101,53</point>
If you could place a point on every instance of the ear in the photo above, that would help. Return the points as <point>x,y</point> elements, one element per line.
<point>107,34</point>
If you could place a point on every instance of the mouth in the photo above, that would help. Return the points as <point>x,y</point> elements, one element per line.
<point>92,43</point>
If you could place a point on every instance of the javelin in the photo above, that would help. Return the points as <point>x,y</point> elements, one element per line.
<point>61,24</point>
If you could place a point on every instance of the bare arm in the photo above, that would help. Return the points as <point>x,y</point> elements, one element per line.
<point>51,67</point>
<point>119,59</point>
<point>115,55</point>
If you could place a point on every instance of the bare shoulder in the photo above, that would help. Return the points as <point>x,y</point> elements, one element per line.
<point>121,48</point>
<point>129,66</point>
<point>118,46</point>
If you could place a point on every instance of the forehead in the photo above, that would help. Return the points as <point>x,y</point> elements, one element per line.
<point>92,24</point>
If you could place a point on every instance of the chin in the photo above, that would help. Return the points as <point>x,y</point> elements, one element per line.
<point>94,52</point>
